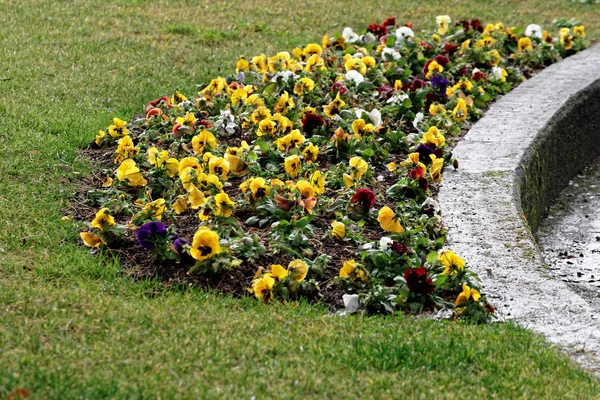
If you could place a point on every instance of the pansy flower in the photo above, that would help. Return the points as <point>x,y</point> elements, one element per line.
<point>388,220</point>
<point>205,244</point>
<point>149,233</point>
<point>365,198</point>
<point>418,282</point>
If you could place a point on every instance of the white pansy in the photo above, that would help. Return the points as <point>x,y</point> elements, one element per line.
<point>404,33</point>
<point>349,35</point>
<point>390,54</point>
<point>533,30</point>
<point>226,124</point>
<point>385,243</point>
<point>497,73</point>
<point>351,302</point>
<point>431,203</point>
<point>418,119</point>
<point>285,76</point>
<point>375,117</point>
<point>397,98</point>
<point>354,76</point>
<point>368,38</point>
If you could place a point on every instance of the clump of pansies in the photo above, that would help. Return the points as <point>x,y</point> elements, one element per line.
<point>313,171</point>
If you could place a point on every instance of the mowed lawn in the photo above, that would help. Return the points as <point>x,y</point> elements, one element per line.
<point>73,326</point>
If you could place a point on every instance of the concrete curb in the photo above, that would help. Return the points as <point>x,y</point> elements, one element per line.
<point>513,163</point>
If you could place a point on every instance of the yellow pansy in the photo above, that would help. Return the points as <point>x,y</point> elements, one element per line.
<point>242,65</point>
<point>388,221</point>
<point>292,165</point>
<point>219,166</point>
<point>117,129</point>
<point>355,64</point>
<point>205,244</point>
<point>99,138</point>
<point>465,45</point>
<point>290,141</point>
<point>223,205</point>
<point>303,86</point>
<point>178,98</point>
<point>91,239</point>
<point>180,205</point>
<point>460,111</point>
<point>314,62</point>
<point>435,170</point>
<point>524,44</point>
<point>305,188</point>
<point>494,57</point>
<point>155,208</point>
<point>467,294</point>
<point>434,67</point>
<point>129,171</point>
<point>297,270</point>
<point>434,136</point>
<point>358,167</point>
<point>278,271</point>
<point>436,109</point>
<point>259,63</point>
<point>284,103</point>
<point>188,120</point>
<point>103,220</point>
<point>125,149</point>
<point>317,182</point>
<point>310,153</point>
<point>312,48</point>
<point>266,127</point>
<point>334,108</point>
<point>338,230</point>
<point>189,162</point>
<point>236,165</point>
<point>579,30</point>
<point>352,270</point>
<point>195,197</point>
<point>361,128</point>
<point>262,287</point>
<point>348,181</point>
<point>204,141</point>
<point>451,262</point>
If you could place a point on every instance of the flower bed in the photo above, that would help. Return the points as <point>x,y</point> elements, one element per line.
<point>313,174</point>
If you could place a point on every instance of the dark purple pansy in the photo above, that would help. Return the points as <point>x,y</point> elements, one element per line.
<point>439,83</point>
<point>401,248</point>
<point>364,198</point>
<point>178,245</point>
<point>425,151</point>
<point>150,232</point>
<point>417,281</point>
<point>310,122</point>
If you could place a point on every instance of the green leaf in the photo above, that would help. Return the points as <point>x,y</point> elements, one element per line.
<point>432,257</point>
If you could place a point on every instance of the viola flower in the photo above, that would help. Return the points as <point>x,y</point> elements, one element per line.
<point>460,111</point>
<point>440,83</point>
<point>385,92</point>
<point>401,248</point>
<point>305,188</point>
<point>388,220</point>
<point>278,271</point>
<point>219,166</point>
<point>303,86</point>
<point>293,165</point>
<point>494,57</point>
<point>177,98</point>
<point>118,129</point>
<point>435,171</point>
<point>310,153</point>
<point>161,159</point>
<point>418,282</point>
<point>284,103</point>
<point>151,232</point>
<point>297,270</point>
<point>262,287</point>
<point>524,44</point>
<point>443,23</point>
<point>361,128</point>
<point>358,167</point>
<point>205,244</point>
<point>377,30</point>
<point>99,138</point>
<point>499,74</point>
<point>451,262</point>
<point>338,231</point>
<point>91,239</point>
<point>434,137</point>
<point>334,107</point>
<point>579,30</point>
<point>364,198</point>
<point>390,21</point>
<point>128,171</point>
<point>180,205</point>
<point>352,270</point>
<point>188,120</point>
<point>433,67</point>
<point>354,76</point>
<point>266,127</point>
<point>403,33</point>
<point>259,188</point>
<point>236,165</point>
<point>318,182</point>
<point>103,220</point>
<point>195,197</point>
<point>290,141</point>
<point>223,205</point>
<point>437,109</point>
<point>155,209</point>
<point>204,141</point>
<point>467,294</point>
<point>310,122</point>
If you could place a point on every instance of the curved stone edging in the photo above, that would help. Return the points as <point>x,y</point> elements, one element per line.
<point>513,163</point>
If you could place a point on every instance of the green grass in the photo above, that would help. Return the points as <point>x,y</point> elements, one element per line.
<point>75,327</point>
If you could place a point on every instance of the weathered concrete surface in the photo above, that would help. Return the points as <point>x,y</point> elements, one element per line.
<point>513,163</point>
